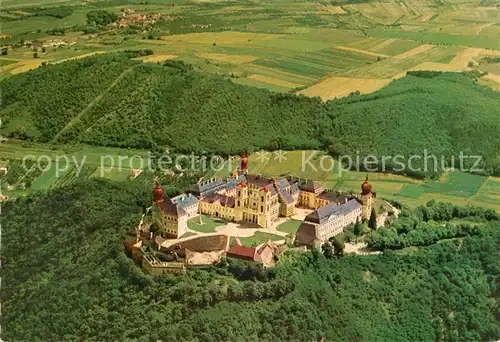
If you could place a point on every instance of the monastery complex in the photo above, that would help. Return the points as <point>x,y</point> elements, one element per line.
<point>261,202</point>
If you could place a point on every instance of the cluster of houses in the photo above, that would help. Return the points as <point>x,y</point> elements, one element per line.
<point>130,18</point>
<point>257,201</point>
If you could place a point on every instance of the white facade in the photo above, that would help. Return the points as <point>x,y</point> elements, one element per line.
<point>188,203</point>
<point>336,224</point>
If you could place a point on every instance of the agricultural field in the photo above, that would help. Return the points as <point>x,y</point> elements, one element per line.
<point>454,186</point>
<point>31,167</point>
<point>315,48</point>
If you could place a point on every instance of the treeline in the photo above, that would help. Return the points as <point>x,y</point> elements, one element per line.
<point>65,277</point>
<point>58,12</point>
<point>433,116</point>
<point>101,17</point>
<point>429,224</point>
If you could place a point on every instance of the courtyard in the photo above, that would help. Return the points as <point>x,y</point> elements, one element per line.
<point>249,234</point>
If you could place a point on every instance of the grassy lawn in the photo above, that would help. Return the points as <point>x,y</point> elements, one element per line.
<point>208,224</point>
<point>290,226</point>
<point>259,238</point>
<point>116,174</point>
<point>98,156</point>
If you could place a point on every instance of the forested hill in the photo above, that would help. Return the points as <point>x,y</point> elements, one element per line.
<point>65,277</point>
<point>112,100</point>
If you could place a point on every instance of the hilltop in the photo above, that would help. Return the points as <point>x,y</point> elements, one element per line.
<point>72,281</point>
<point>111,100</point>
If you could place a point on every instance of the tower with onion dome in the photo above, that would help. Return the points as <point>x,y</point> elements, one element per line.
<point>170,218</point>
<point>366,199</point>
<point>243,164</point>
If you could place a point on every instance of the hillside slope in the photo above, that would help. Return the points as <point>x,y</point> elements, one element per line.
<point>154,105</point>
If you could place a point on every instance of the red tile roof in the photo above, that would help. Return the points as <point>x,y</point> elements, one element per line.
<point>241,252</point>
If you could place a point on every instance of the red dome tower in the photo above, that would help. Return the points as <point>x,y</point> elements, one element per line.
<point>244,163</point>
<point>366,187</point>
<point>158,195</point>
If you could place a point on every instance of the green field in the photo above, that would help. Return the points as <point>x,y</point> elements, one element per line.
<point>305,48</point>
<point>4,62</point>
<point>48,179</point>
<point>457,184</point>
<point>47,166</point>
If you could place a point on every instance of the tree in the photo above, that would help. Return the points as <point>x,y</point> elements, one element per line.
<point>35,55</point>
<point>338,246</point>
<point>315,254</point>
<point>358,229</point>
<point>327,250</point>
<point>155,34</point>
<point>101,17</point>
<point>372,223</point>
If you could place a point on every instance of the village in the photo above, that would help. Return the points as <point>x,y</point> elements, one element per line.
<point>247,217</point>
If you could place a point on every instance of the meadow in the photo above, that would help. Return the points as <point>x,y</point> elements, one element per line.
<point>32,167</point>
<point>311,47</point>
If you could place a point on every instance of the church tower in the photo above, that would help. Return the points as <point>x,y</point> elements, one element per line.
<point>366,199</point>
<point>243,163</point>
<point>240,201</point>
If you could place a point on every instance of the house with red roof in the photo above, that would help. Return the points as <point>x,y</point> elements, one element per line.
<point>263,254</point>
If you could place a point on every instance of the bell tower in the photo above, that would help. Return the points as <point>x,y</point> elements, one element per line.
<point>366,199</point>
<point>240,200</point>
<point>243,163</point>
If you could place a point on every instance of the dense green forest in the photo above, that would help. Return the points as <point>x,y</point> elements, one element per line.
<point>430,223</point>
<point>111,100</point>
<point>65,276</point>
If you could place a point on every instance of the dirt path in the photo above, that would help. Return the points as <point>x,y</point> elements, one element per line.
<point>414,51</point>
<point>482,27</point>
<point>90,105</point>
<point>359,248</point>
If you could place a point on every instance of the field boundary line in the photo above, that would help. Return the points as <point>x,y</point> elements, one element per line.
<point>91,105</point>
<point>364,52</point>
<point>479,190</point>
